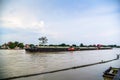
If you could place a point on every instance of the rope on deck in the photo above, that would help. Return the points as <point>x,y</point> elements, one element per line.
<point>75,67</point>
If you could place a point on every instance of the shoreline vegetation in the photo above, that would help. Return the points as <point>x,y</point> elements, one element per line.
<point>53,47</point>
<point>21,46</point>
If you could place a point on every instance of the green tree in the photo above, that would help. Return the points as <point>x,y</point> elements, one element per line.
<point>51,45</point>
<point>16,43</point>
<point>11,45</point>
<point>43,40</point>
<point>21,45</point>
<point>81,45</point>
<point>63,44</point>
<point>74,45</point>
<point>31,45</point>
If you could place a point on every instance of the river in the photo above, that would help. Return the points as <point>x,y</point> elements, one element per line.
<point>19,62</point>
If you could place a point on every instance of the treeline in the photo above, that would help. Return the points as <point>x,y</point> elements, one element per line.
<point>19,45</point>
<point>12,45</point>
<point>82,45</point>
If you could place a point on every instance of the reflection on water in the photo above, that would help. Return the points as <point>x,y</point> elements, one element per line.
<point>20,62</point>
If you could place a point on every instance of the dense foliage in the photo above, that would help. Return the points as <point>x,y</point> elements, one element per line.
<point>43,40</point>
<point>13,45</point>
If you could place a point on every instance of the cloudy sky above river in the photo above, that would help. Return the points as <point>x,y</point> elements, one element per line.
<point>61,21</point>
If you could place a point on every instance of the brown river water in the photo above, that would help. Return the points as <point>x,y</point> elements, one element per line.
<point>19,62</point>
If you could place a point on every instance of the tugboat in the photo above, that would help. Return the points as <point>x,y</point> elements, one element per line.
<point>71,48</point>
<point>112,74</point>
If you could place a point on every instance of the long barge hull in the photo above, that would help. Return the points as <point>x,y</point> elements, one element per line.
<point>61,49</point>
<point>46,49</point>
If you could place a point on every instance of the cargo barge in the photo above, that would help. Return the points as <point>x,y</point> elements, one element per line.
<point>58,49</point>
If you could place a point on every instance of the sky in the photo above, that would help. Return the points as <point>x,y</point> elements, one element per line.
<point>61,21</point>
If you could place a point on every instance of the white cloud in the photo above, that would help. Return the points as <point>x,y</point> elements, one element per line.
<point>97,21</point>
<point>14,22</point>
<point>11,22</point>
<point>18,17</point>
<point>26,25</point>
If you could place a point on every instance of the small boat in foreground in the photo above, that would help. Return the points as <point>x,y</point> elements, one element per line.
<point>112,74</point>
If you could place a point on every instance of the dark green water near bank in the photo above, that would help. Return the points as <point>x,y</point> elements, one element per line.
<point>19,62</point>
